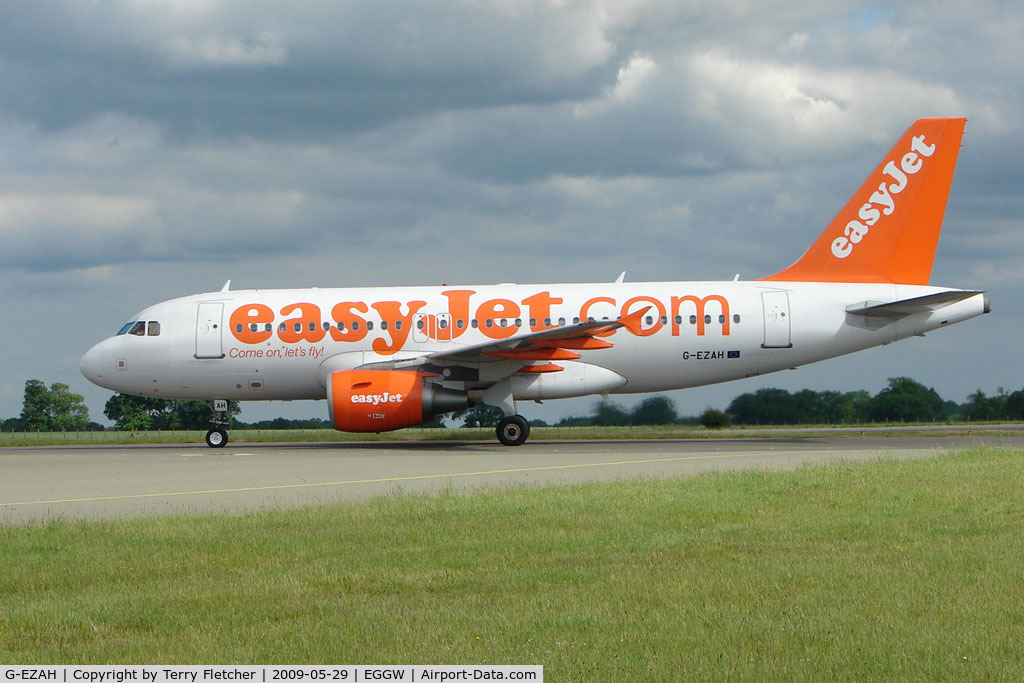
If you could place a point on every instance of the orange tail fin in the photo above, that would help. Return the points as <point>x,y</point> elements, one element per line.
<point>888,230</point>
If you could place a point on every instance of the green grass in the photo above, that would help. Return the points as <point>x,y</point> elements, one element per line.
<point>893,570</point>
<point>238,436</point>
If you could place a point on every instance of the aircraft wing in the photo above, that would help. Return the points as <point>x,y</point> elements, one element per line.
<point>532,352</point>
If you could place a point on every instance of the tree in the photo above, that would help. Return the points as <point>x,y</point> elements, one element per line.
<point>69,410</point>
<point>1015,405</point>
<point>715,419</point>
<point>656,410</point>
<point>52,409</point>
<point>132,413</point>
<point>765,407</point>
<point>980,407</point>
<point>609,414</point>
<point>905,400</point>
<point>482,415</point>
<point>141,413</point>
<point>35,411</point>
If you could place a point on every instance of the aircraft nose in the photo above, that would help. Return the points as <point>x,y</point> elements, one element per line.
<point>91,365</point>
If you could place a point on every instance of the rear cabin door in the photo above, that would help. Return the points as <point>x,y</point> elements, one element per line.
<point>776,320</point>
<point>208,330</point>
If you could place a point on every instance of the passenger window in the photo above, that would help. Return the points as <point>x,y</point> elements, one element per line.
<point>138,329</point>
<point>707,320</point>
<point>648,320</point>
<point>474,324</point>
<point>489,323</point>
<point>679,319</point>
<point>533,322</point>
<point>460,323</point>
<point>693,320</point>
<point>664,320</point>
<point>239,328</point>
<point>398,324</point>
<point>298,327</point>
<point>561,322</point>
<point>369,324</point>
<point>383,324</point>
<point>736,318</point>
<point>355,326</point>
<point>341,326</point>
<point>443,324</point>
<point>154,328</point>
<point>253,327</point>
<point>283,327</point>
<point>519,322</point>
<point>721,319</point>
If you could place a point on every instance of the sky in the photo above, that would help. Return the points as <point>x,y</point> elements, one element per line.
<point>154,149</point>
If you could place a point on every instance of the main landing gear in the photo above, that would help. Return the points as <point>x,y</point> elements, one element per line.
<point>513,430</point>
<point>217,437</point>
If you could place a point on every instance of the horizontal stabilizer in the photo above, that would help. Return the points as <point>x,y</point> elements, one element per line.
<point>904,307</point>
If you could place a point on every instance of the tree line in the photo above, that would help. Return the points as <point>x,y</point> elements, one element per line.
<point>902,400</point>
<point>56,408</point>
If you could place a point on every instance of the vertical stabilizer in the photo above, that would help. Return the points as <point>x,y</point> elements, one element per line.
<point>888,230</point>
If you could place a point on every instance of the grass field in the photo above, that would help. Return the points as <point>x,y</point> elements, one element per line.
<point>479,434</point>
<point>895,570</point>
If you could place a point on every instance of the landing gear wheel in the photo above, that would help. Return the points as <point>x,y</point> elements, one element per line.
<point>216,438</point>
<point>513,430</point>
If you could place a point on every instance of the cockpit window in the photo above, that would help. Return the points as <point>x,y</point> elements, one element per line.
<point>139,328</point>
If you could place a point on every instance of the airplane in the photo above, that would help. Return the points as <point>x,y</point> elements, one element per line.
<point>386,358</point>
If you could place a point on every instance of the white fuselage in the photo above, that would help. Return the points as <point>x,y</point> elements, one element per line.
<point>283,344</point>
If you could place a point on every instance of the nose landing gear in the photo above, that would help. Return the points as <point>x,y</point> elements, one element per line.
<point>217,437</point>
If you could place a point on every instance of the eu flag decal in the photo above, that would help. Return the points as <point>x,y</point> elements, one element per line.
<point>733,354</point>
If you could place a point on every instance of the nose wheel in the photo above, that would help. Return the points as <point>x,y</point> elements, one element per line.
<point>216,438</point>
<point>513,430</point>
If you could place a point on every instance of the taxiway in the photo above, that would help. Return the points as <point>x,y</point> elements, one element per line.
<point>45,483</point>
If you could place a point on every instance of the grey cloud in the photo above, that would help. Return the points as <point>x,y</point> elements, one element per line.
<point>149,150</point>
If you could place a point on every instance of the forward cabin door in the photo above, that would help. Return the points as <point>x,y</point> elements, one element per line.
<point>208,330</point>
<point>776,320</point>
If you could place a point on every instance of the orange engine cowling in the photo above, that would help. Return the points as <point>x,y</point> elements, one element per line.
<point>382,400</point>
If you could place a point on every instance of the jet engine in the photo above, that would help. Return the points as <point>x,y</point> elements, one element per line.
<point>382,400</point>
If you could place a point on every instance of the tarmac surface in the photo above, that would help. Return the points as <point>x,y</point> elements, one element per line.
<point>39,484</point>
